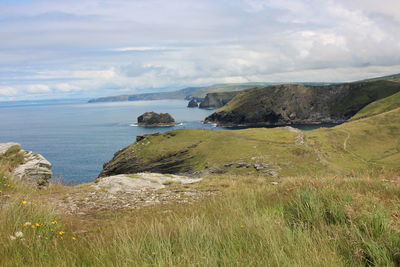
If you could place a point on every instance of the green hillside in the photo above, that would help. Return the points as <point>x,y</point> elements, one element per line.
<point>378,107</point>
<point>262,151</point>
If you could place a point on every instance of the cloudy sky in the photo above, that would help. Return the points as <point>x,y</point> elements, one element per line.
<point>89,48</point>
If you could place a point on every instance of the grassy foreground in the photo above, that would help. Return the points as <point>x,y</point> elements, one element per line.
<point>309,221</point>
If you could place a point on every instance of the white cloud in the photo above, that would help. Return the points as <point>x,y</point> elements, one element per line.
<point>61,48</point>
<point>7,91</point>
<point>38,88</point>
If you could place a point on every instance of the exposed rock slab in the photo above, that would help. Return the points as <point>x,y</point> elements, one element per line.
<point>127,192</point>
<point>140,181</point>
<point>36,170</point>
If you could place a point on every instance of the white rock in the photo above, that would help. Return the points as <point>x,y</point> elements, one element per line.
<point>36,170</point>
<point>139,182</point>
<point>6,146</point>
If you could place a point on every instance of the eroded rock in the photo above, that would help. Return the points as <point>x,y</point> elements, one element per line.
<point>35,170</point>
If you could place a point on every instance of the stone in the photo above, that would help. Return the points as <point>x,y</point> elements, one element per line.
<point>4,147</point>
<point>193,104</point>
<point>36,170</point>
<point>155,119</point>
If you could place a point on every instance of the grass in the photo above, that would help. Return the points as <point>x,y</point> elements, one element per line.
<point>12,158</point>
<point>310,221</point>
<point>341,149</point>
<point>378,107</point>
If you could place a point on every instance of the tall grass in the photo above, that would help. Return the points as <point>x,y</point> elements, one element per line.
<point>309,222</point>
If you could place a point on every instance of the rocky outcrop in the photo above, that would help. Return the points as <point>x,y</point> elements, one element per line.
<point>34,170</point>
<point>301,104</point>
<point>131,191</point>
<point>217,100</point>
<point>155,119</point>
<point>193,104</point>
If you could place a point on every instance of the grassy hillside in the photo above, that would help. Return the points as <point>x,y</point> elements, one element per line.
<point>378,107</point>
<point>278,151</point>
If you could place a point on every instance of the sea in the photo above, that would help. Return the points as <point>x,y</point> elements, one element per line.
<point>78,137</point>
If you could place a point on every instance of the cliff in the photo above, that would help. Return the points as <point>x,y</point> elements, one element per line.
<point>217,100</point>
<point>301,104</point>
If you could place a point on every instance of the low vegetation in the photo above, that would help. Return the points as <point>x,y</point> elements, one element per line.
<point>261,151</point>
<point>378,107</point>
<point>310,221</point>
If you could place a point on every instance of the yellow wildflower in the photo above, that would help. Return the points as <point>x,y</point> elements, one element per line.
<point>74,238</point>
<point>33,226</point>
<point>61,233</point>
<point>24,202</point>
<point>54,222</point>
<point>37,224</point>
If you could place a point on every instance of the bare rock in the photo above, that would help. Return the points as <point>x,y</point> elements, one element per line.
<point>36,170</point>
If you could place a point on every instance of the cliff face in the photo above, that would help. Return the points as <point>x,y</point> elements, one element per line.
<point>31,168</point>
<point>217,100</point>
<point>300,104</point>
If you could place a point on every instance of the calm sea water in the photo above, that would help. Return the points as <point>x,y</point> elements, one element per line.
<point>77,138</point>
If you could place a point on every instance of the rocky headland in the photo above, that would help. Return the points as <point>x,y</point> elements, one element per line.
<point>217,100</point>
<point>301,104</point>
<point>152,119</point>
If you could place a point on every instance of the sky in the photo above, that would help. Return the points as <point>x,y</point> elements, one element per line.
<point>89,48</point>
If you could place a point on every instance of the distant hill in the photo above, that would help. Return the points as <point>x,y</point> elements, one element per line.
<point>198,93</point>
<point>392,78</point>
<point>179,94</point>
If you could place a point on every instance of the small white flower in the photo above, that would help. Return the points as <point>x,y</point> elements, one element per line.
<point>19,234</point>
<point>27,224</point>
<point>12,237</point>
